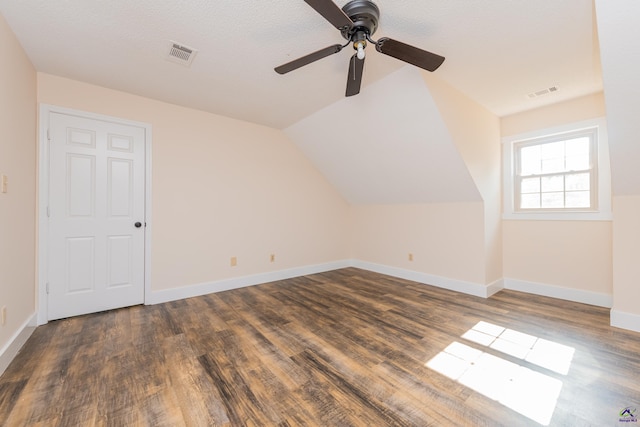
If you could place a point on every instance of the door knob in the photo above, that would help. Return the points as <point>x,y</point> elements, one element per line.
<point>138,224</point>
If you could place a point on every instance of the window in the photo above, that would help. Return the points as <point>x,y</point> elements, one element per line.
<point>560,173</point>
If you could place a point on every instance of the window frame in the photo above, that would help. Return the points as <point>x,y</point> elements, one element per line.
<point>600,179</point>
<point>592,169</point>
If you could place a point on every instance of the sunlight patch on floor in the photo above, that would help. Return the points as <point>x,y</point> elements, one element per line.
<point>546,354</point>
<point>526,391</point>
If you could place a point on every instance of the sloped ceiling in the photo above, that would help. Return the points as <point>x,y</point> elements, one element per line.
<point>396,151</point>
<point>497,51</point>
<point>386,145</point>
<point>619,34</point>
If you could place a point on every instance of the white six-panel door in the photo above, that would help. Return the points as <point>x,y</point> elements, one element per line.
<point>96,215</point>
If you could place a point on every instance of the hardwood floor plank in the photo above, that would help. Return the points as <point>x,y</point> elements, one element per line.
<point>351,398</point>
<point>197,400</point>
<point>240,401</point>
<point>10,391</point>
<point>341,348</point>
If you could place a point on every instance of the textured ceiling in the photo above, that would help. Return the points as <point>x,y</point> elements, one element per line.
<point>497,50</point>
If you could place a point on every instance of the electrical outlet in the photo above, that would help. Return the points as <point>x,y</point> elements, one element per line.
<point>272,258</point>
<point>4,182</point>
<point>4,315</point>
<point>234,261</point>
<point>410,256</point>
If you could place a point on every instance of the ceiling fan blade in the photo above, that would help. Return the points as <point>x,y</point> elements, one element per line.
<point>332,13</point>
<point>404,52</point>
<point>308,59</point>
<point>356,66</point>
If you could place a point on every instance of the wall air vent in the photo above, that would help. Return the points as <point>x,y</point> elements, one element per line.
<point>181,54</point>
<point>541,92</point>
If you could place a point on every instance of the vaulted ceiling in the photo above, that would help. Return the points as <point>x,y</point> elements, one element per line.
<point>497,51</point>
<point>395,152</point>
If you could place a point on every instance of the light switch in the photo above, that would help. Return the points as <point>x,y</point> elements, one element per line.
<point>5,183</point>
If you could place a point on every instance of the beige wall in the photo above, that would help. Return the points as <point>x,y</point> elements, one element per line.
<point>475,132</point>
<point>18,162</point>
<point>221,188</point>
<point>570,254</point>
<point>575,110</point>
<point>457,241</point>
<point>446,239</point>
<point>626,254</point>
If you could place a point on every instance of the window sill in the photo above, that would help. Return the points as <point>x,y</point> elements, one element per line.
<point>559,216</point>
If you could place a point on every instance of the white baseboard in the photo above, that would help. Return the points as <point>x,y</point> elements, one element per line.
<point>485,291</point>
<point>470,288</point>
<point>569,294</point>
<point>198,289</point>
<point>9,351</point>
<point>623,320</point>
<point>495,287</point>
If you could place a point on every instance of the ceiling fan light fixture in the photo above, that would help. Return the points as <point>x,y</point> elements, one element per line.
<point>359,47</point>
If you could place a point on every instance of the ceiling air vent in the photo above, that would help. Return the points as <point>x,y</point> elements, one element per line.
<point>181,54</point>
<point>541,92</point>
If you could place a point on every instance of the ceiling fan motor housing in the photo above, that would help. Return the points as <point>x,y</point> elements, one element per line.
<point>364,14</point>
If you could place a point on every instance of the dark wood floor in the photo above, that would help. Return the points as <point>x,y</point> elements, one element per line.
<point>344,348</point>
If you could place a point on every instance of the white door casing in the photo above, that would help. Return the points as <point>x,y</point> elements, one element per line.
<point>95,253</point>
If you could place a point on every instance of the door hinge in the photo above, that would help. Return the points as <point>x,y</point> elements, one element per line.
<point>47,286</point>
<point>48,135</point>
<point>48,212</point>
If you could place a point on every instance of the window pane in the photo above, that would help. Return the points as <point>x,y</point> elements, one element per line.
<point>552,150</point>
<point>530,185</point>
<point>553,165</point>
<point>552,157</point>
<point>553,200</point>
<point>577,152</point>
<point>576,163</point>
<point>530,160</point>
<point>552,183</point>
<point>530,201</point>
<point>578,181</point>
<point>578,199</point>
<point>578,147</point>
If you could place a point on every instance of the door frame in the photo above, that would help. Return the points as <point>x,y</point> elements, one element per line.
<point>43,199</point>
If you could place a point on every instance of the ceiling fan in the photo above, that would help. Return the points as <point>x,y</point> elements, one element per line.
<point>357,22</point>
